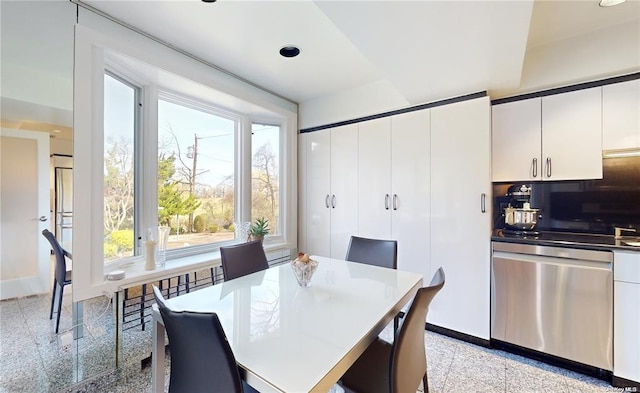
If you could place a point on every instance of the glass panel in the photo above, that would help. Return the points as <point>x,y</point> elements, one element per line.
<point>265,175</point>
<point>195,175</point>
<point>119,131</point>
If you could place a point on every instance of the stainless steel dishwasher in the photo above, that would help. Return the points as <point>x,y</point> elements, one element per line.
<point>554,300</point>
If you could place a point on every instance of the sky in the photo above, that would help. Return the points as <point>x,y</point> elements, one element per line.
<point>215,133</point>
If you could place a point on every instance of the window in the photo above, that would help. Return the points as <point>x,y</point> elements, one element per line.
<point>265,175</point>
<point>121,119</point>
<point>119,191</point>
<point>196,178</point>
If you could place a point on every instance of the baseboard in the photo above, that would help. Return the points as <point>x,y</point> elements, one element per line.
<point>457,335</point>
<point>581,368</point>
<point>627,384</point>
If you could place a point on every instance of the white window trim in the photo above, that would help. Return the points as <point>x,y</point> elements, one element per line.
<point>89,68</point>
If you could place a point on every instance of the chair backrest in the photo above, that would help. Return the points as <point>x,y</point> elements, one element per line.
<point>242,259</point>
<point>201,358</point>
<point>376,252</point>
<point>61,263</point>
<point>409,360</point>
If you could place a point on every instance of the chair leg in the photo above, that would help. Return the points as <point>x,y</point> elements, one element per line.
<point>61,292</point>
<point>213,276</point>
<point>53,297</point>
<point>186,282</point>
<point>425,384</point>
<point>142,301</point>
<point>396,322</point>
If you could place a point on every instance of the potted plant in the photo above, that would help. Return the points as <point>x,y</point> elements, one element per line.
<point>259,229</point>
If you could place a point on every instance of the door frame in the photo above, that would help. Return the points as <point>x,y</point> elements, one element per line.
<point>39,283</point>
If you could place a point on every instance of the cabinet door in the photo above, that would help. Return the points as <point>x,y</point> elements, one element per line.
<point>460,227</point>
<point>621,115</point>
<point>516,140</point>
<point>374,178</point>
<point>344,188</point>
<point>317,215</point>
<point>626,340</point>
<point>572,135</point>
<point>410,187</point>
<point>626,315</point>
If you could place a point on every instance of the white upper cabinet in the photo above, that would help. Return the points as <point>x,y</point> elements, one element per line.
<point>517,140</point>
<point>374,178</point>
<point>621,115</point>
<point>572,135</point>
<point>556,137</point>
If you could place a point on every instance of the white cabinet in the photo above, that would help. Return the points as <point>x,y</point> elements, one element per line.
<point>344,188</point>
<point>572,135</point>
<point>317,216</point>
<point>330,181</point>
<point>374,178</point>
<point>621,115</point>
<point>626,315</point>
<point>556,137</point>
<point>516,140</point>
<point>410,190</point>
<point>393,184</point>
<point>460,215</point>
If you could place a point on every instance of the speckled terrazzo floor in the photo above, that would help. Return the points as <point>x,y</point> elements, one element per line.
<point>32,359</point>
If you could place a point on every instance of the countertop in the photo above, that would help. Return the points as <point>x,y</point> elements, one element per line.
<point>566,239</point>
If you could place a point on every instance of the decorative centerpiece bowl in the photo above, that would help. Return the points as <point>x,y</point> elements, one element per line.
<point>303,268</point>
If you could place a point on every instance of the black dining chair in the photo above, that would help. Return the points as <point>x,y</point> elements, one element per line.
<point>401,366</point>
<point>202,360</point>
<point>242,259</point>
<point>377,252</point>
<point>61,276</point>
<point>383,253</point>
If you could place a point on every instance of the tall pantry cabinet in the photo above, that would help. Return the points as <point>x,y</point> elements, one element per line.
<point>422,178</point>
<point>329,191</point>
<point>393,185</point>
<point>461,215</point>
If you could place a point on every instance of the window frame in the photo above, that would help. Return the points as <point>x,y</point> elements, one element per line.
<point>99,43</point>
<point>137,161</point>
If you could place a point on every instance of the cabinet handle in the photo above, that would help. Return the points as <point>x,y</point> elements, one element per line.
<point>534,166</point>
<point>395,201</point>
<point>326,201</point>
<point>548,166</point>
<point>333,201</point>
<point>386,201</point>
<point>483,202</point>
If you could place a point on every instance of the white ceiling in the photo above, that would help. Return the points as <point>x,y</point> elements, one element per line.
<point>426,50</point>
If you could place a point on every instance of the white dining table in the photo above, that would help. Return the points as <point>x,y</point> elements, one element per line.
<point>293,339</point>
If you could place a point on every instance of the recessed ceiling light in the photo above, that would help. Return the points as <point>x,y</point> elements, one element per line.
<point>610,3</point>
<point>56,131</point>
<point>289,51</point>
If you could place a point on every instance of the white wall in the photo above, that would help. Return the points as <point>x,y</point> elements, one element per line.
<point>606,53</point>
<point>349,104</point>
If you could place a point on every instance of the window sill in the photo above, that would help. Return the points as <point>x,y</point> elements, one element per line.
<point>136,274</point>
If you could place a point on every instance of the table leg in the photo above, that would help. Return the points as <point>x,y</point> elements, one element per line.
<point>118,310</point>
<point>157,355</point>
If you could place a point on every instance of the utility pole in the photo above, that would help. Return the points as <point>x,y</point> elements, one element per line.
<point>192,181</point>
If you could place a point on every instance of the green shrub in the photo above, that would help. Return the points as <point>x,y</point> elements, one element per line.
<point>231,227</point>
<point>214,228</point>
<point>199,223</point>
<point>123,239</point>
<point>110,250</point>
